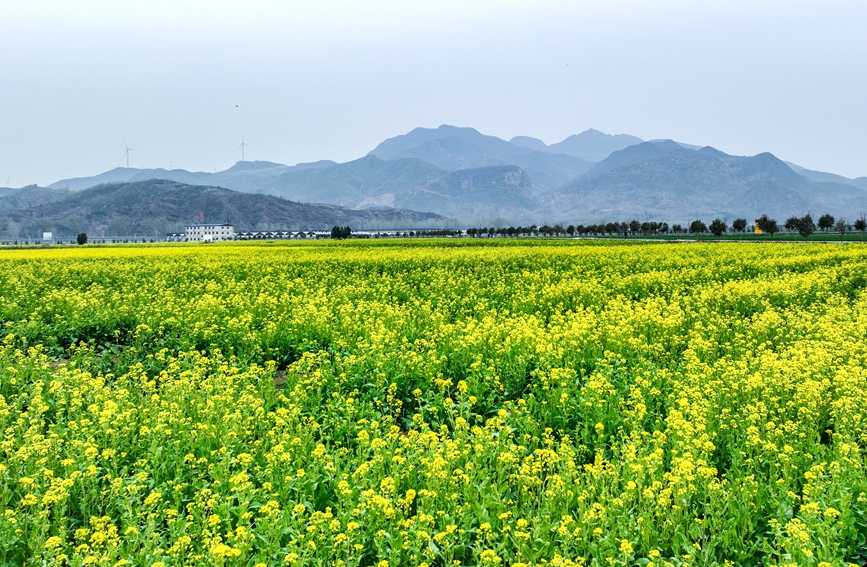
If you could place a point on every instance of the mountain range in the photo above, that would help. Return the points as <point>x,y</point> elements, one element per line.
<point>476,179</point>
<point>655,180</point>
<point>155,207</point>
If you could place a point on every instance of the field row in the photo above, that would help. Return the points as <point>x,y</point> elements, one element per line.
<point>441,403</point>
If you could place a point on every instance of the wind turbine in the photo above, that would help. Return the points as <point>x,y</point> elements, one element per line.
<point>241,147</point>
<point>126,153</point>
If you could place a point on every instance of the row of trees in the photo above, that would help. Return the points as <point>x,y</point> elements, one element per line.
<point>805,226</point>
<point>341,232</point>
<point>631,228</point>
<point>623,228</point>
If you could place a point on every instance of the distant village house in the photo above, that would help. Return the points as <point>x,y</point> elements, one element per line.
<point>222,232</point>
<point>209,232</point>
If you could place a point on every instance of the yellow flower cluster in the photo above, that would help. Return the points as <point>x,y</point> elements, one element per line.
<point>434,403</point>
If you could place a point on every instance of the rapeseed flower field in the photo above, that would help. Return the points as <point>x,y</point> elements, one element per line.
<point>436,403</point>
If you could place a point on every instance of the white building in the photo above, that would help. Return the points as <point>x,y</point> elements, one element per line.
<point>209,232</point>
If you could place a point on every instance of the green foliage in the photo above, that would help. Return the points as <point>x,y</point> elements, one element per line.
<point>806,226</point>
<point>768,225</point>
<point>340,232</point>
<point>842,227</point>
<point>826,222</point>
<point>490,402</point>
<point>861,225</point>
<point>718,227</point>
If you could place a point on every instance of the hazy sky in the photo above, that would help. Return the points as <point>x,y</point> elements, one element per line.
<point>303,81</point>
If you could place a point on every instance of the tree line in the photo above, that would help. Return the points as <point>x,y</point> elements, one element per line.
<point>805,226</point>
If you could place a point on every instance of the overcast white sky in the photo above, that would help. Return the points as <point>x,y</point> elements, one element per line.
<point>328,79</point>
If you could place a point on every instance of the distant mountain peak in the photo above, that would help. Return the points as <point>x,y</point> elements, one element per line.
<point>449,127</point>
<point>321,164</point>
<point>529,143</point>
<point>593,132</point>
<point>455,148</point>
<point>442,129</point>
<point>593,145</point>
<point>767,156</point>
<point>253,165</point>
<point>667,144</point>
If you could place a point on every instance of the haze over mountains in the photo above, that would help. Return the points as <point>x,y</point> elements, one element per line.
<point>154,207</point>
<point>591,145</point>
<point>475,179</point>
<point>659,179</point>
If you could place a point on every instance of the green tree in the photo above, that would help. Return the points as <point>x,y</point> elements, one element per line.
<point>739,225</point>
<point>806,226</point>
<point>340,232</point>
<point>81,238</point>
<point>634,226</point>
<point>697,227</point>
<point>768,225</point>
<point>861,224</point>
<point>826,222</point>
<point>842,227</point>
<point>718,227</point>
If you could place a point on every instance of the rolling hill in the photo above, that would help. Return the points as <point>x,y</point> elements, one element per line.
<point>155,207</point>
<point>28,197</point>
<point>370,182</point>
<point>664,180</point>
